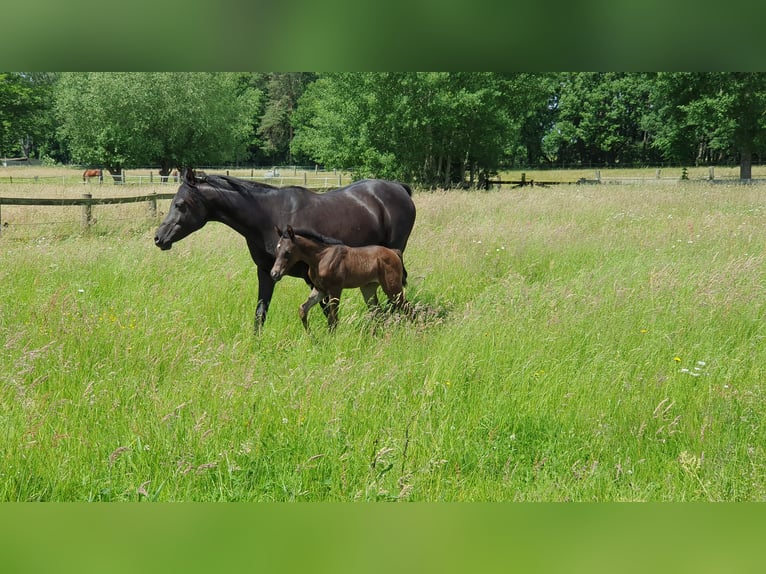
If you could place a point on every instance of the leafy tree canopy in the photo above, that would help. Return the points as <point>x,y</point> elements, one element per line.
<point>428,127</point>
<point>122,120</point>
<point>708,116</point>
<point>25,118</point>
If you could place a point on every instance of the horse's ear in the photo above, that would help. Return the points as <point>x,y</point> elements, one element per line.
<point>279,231</point>
<point>187,174</point>
<point>290,232</point>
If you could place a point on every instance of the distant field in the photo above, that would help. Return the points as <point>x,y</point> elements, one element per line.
<point>578,342</point>
<point>631,175</point>
<point>66,176</point>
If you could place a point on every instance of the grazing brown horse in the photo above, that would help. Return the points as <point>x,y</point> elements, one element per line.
<point>334,266</point>
<point>90,173</point>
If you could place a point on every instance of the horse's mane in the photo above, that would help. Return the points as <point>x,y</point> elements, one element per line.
<point>314,236</point>
<point>232,183</point>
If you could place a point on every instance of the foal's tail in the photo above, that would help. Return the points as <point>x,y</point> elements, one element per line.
<point>404,269</point>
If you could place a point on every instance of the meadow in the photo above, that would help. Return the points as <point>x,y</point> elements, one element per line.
<point>572,343</point>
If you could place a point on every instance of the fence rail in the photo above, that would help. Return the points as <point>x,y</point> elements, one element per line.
<point>87,201</point>
<point>311,179</point>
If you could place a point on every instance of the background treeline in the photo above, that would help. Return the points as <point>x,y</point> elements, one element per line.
<point>432,128</point>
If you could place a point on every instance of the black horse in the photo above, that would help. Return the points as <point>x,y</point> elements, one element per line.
<point>367,212</point>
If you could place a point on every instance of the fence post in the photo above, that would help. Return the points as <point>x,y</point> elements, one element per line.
<point>340,175</point>
<point>153,205</point>
<point>87,211</point>
<point>305,181</point>
<point>711,173</point>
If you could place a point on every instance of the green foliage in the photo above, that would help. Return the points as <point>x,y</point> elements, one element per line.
<point>436,129</point>
<point>122,120</point>
<point>25,112</point>
<point>430,127</point>
<point>284,91</point>
<point>711,116</point>
<point>601,118</point>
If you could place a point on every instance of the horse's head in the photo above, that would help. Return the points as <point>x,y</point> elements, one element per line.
<point>284,254</point>
<point>188,212</point>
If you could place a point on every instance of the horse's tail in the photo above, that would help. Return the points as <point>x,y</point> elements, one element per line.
<point>404,269</point>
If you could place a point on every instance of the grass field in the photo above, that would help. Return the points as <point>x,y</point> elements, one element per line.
<point>573,343</point>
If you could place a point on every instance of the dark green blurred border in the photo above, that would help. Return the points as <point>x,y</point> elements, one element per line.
<point>385,538</point>
<point>335,35</point>
<point>392,35</point>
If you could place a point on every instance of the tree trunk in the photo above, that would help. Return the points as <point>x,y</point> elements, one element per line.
<point>116,173</point>
<point>164,173</point>
<point>746,165</point>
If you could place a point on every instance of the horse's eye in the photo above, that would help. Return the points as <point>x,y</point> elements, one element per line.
<point>180,206</point>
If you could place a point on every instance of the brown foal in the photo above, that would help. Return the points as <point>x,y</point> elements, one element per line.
<point>334,266</point>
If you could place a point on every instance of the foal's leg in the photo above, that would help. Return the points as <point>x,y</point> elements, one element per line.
<point>303,311</point>
<point>370,294</point>
<point>333,300</point>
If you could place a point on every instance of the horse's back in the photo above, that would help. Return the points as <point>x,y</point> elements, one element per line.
<point>392,204</point>
<point>381,188</point>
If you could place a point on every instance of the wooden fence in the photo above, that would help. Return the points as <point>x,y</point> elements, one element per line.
<point>87,201</point>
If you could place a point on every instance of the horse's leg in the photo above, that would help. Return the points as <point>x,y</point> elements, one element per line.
<point>370,294</point>
<point>265,291</point>
<point>303,311</point>
<point>332,309</point>
<point>325,305</point>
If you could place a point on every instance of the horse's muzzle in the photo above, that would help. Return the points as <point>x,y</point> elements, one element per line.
<point>276,276</point>
<point>164,245</point>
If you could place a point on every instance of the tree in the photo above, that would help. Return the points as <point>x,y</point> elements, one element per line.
<point>705,117</point>
<point>600,119</point>
<point>25,114</point>
<point>276,129</point>
<point>122,120</point>
<point>435,128</point>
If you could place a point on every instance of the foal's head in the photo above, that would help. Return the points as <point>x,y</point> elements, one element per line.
<point>284,256</point>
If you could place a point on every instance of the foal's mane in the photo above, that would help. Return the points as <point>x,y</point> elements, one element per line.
<point>314,236</point>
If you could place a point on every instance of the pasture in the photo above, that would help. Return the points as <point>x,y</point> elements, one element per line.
<point>574,343</point>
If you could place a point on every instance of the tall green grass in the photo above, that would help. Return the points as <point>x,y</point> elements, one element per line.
<point>572,343</point>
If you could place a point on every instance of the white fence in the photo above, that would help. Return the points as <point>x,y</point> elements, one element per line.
<point>311,178</point>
